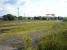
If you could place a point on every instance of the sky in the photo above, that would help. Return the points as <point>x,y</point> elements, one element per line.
<point>33,7</point>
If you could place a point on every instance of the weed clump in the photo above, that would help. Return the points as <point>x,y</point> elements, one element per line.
<point>53,41</point>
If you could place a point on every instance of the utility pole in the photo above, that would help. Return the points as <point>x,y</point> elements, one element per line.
<point>18,11</point>
<point>24,14</point>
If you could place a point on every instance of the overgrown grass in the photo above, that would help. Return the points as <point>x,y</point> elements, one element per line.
<point>25,27</point>
<point>54,39</point>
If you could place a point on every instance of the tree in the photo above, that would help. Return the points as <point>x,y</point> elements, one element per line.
<point>44,18</point>
<point>37,18</point>
<point>29,18</point>
<point>20,18</point>
<point>9,17</point>
<point>65,19</point>
<point>60,18</point>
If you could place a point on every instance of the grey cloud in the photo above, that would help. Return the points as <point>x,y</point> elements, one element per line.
<point>12,2</point>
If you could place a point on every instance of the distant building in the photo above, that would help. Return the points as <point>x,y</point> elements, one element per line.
<point>50,15</point>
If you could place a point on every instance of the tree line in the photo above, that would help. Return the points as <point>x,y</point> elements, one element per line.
<point>10,17</point>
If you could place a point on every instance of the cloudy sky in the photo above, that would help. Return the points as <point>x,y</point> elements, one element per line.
<point>33,7</point>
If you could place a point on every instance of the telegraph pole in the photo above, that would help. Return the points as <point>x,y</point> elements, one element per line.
<point>18,11</point>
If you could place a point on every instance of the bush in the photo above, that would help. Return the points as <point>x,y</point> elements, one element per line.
<point>27,41</point>
<point>52,41</point>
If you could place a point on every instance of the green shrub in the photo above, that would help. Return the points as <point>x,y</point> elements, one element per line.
<point>52,41</point>
<point>64,33</point>
<point>27,42</point>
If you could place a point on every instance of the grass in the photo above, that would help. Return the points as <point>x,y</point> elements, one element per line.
<point>53,41</point>
<point>21,29</point>
<point>17,27</point>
